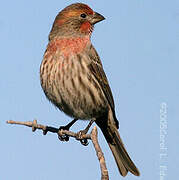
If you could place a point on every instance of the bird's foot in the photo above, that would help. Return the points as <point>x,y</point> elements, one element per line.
<point>67,127</point>
<point>63,137</point>
<point>80,137</point>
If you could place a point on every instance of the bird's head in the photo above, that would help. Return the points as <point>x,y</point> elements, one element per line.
<point>75,20</point>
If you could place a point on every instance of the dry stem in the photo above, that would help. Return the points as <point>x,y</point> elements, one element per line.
<point>93,136</point>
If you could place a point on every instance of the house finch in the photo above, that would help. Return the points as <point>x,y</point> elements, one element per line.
<point>73,78</point>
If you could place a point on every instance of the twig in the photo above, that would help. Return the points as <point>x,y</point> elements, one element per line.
<point>46,129</point>
<point>92,136</point>
<point>100,155</point>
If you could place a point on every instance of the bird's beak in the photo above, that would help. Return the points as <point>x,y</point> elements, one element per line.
<point>97,18</point>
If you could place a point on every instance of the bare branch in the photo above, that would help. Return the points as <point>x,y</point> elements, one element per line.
<point>46,129</point>
<point>100,155</point>
<point>93,136</point>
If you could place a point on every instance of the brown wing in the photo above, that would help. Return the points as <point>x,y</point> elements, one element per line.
<point>97,69</point>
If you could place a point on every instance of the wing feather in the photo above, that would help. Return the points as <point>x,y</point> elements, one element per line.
<point>97,69</point>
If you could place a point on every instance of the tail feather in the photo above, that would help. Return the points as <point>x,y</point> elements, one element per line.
<point>121,156</point>
<point>122,169</point>
<point>116,145</point>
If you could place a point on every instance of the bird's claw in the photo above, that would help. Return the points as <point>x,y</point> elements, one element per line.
<point>63,137</point>
<point>80,137</point>
<point>84,142</point>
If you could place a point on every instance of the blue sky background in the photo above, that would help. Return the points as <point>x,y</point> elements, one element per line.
<point>139,46</point>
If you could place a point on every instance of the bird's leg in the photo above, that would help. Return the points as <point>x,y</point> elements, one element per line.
<point>67,127</point>
<point>80,133</point>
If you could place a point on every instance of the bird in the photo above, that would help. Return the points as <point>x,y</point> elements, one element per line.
<point>73,79</point>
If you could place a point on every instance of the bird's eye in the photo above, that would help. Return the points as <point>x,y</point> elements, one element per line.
<point>83,15</point>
